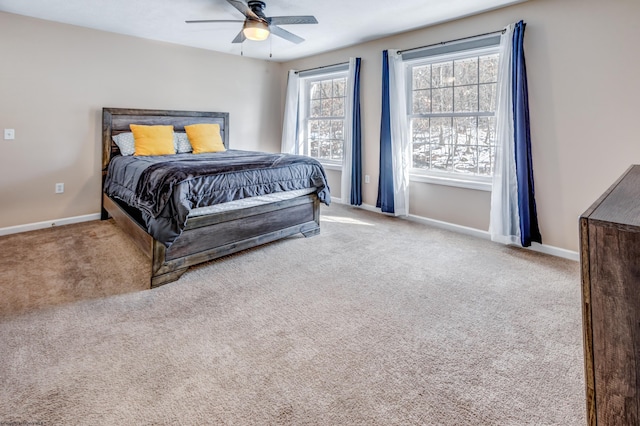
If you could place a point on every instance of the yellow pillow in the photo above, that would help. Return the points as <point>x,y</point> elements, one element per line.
<point>205,138</point>
<point>152,140</point>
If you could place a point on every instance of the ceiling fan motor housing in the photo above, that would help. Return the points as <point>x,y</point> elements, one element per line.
<point>258,8</point>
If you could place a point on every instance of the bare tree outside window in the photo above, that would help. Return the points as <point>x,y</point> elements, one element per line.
<point>325,122</point>
<point>452,114</point>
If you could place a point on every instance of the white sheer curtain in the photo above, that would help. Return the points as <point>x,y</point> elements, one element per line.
<point>347,151</point>
<point>504,223</point>
<point>400,146</point>
<point>290,122</point>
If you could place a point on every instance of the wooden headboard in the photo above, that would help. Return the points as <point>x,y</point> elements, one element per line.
<point>117,120</point>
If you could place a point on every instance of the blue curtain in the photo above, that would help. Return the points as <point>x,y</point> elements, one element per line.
<point>529,230</point>
<point>385,180</point>
<point>356,153</point>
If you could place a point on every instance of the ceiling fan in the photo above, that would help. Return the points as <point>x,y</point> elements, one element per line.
<point>257,26</point>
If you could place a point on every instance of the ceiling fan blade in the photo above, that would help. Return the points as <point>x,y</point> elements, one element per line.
<point>206,21</point>
<point>292,20</point>
<point>275,30</point>
<point>244,9</point>
<point>239,38</point>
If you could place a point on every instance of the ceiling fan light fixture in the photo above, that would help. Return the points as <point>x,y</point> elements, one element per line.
<point>255,30</point>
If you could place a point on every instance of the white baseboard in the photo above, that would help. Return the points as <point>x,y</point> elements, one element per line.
<point>450,226</point>
<point>555,251</point>
<point>541,248</point>
<point>48,224</point>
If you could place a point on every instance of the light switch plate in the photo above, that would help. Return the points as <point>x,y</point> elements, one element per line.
<point>9,134</point>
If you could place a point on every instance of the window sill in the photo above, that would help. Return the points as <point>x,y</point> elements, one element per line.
<point>332,166</point>
<point>479,185</point>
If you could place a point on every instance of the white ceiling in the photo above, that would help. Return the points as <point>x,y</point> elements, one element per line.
<point>340,22</point>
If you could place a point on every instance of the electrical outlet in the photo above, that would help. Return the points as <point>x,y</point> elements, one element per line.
<point>9,134</point>
<point>59,188</point>
<point>367,178</point>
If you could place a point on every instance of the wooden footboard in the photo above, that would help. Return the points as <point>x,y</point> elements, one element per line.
<point>212,236</point>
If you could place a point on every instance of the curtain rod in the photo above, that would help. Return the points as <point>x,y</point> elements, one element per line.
<point>324,66</point>
<point>400,52</point>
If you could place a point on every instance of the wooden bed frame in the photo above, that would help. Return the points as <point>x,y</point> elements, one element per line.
<point>205,237</point>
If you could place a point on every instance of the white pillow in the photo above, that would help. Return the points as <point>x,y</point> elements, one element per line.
<point>181,143</point>
<point>125,143</point>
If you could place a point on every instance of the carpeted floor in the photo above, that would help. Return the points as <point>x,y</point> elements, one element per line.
<point>65,264</point>
<point>376,321</point>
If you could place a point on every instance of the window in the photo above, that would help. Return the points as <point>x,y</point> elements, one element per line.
<point>323,116</point>
<point>451,114</point>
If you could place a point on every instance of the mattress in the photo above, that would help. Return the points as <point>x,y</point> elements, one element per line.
<point>250,202</point>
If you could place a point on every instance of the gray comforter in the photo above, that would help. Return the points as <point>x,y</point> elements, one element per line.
<point>165,188</point>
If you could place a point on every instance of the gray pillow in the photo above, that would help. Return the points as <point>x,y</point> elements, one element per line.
<point>125,143</point>
<point>181,143</point>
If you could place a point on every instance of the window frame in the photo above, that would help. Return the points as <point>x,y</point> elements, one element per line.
<point>305,105</point>
<point>440,177</point>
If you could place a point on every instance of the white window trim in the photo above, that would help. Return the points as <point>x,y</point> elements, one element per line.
<point>470,182</point>
<point>305,83</point>
<point>481,183</point>
<point>331,166</point>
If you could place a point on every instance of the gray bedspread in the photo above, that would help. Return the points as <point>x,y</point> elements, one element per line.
<point>165,188</point>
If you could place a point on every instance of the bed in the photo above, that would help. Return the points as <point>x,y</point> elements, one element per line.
<point>208,232</point>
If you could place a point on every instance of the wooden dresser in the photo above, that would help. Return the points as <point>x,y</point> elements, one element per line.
<point>610,262</point>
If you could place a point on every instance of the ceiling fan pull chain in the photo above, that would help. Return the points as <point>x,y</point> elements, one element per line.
<point>242,49</point>
<point>270,47</point>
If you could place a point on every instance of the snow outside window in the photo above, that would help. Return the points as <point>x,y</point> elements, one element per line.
<point>323,116</point>
<point>451,102</point>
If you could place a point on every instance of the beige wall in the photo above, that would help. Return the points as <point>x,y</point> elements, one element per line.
<point>54,81</point>
<point>582,61</point>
